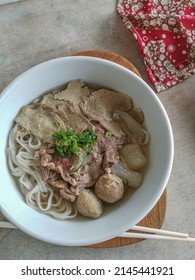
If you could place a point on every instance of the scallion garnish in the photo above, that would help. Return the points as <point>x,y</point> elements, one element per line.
<point>67,143</point>
<point>108,134</point>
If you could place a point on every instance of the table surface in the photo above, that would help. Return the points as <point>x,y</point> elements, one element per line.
<point>33,31</point>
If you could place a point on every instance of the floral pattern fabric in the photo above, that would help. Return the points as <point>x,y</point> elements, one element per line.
<point>165,31</point>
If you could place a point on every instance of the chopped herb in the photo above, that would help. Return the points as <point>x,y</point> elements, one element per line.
<point>108,134</point>
<point>58,124</point>
<point>68,143</point>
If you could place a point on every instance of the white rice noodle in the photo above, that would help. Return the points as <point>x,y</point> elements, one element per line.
<point>23,162</point>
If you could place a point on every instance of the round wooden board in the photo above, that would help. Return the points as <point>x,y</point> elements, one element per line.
<point>155,217</point>
<point>112,57</point>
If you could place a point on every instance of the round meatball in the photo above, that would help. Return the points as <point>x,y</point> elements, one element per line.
<point>109,188</point>
<point>88,204</point>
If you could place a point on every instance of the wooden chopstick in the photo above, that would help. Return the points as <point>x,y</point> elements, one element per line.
<point>6,225</point>
<point>154,236</point>
<point>159,231</point>
<point>159,234</point>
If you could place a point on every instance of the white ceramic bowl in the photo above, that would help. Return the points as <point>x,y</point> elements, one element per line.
<point>50,75</point>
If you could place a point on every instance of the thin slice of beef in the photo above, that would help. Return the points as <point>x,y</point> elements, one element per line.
<point>69,111</point>
<point>40,120</point>
<point>100,106</point>
<point>75,92</point>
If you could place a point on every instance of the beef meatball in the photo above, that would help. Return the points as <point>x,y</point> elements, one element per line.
<point>88,204</point>
<point>109,188</point>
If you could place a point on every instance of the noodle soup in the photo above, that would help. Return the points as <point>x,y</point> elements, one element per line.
<point>78,150</point>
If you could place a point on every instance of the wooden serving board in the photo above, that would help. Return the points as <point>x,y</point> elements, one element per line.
<point>112,57</point>
<point>156,216</point>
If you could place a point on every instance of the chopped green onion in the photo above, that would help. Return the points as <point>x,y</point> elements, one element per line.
<point>108,134</point>
<point>58,124</point>
<point>68,143</point>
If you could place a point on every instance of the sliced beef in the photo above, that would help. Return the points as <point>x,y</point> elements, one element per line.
<point>40,120</point>
<point>100,106</point>
<point>109,146</point>
<point>69,111</point>
<point>75,92</point>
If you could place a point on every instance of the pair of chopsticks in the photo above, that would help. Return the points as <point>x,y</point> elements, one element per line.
<point>153,233</point>
<point>141,232</point>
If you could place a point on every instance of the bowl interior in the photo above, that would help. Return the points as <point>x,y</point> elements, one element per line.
<point>54,73</point>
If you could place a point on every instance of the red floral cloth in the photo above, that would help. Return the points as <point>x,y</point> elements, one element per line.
<point>165,31</point>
